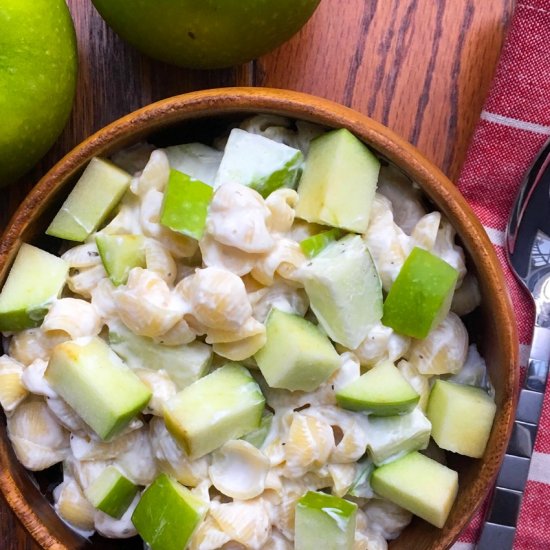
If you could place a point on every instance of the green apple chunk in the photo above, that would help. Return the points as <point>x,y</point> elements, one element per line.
<point>297,355</point>
<point>226,404</point>
<point>197,160</point>
<point>394,436</point>
<point>311,246</point>
<point>461,417</point>
<point>185,204</point>
<point>27,294</point>
<point>95,194</point>
<point>339,182</point>
<point>418,484</point>
<point>119,254</point>
<point>95,382</point>
<point>167,514</point>
<point>112,492</point>
<point>381,391</point>
<point>258,437</point>
<point>344,290</point>
<point>184,363</point>
<point>421,295</point>
<point>259,162</point>
<point>324,521</point>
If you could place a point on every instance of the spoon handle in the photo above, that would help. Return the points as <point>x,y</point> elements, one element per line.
<point>499,527</point>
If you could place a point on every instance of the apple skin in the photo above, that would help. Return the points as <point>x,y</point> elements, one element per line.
<point>38,69</point>
<point>206,34</point>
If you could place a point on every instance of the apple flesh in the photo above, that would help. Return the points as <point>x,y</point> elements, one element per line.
<point>339,182</point>
<point>184,363</point>
<point>197,160</point>
<point>167,514</point>
<point>111,492</point>
<point>206,35</point>
<point>324,521</point>
<point>344,290</point>
<point>394,436</point>
<point>27,294</point>
<point>120,254</point>
<point>38,71</point>
<point>185,204</point>
<point>226,404</point>
<point>418,484</point>
<point>94,196</point>
<point>382,391</point>
<point>95,382</point>
<point>259,163</point>
<point>461,417</point>
<point>311,246</point>
<point>297,355</point>
<point>421,295</point>
<point>258,436</point>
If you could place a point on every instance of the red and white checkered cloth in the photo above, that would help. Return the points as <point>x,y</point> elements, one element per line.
<point>514,125</point>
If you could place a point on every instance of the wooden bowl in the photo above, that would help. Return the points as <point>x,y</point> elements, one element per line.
<point>198,116</point>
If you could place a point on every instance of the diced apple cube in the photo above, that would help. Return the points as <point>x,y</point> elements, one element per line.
<point>226,404</point>
<point>344,290</point>
<point>324,521</point>
<point>168,514</point>
<point>185,204</point>
<point>119,254</point>
<point>393,436</point>
<point>382,391</point>
<point>258,162</point>
<point>112,492</point>
<point>461,417</point>
<point>95,194</point>
<point>418,484</point>
<point>95,382</point>
<point>297,354</point>
<point>339,182</point>
<point>27,294</point>
<point>421,295</point>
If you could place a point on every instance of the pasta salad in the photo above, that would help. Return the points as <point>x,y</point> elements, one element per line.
<point>218,346</point>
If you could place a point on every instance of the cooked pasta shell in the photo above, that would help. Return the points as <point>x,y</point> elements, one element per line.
<point>281,204</point>
<point>280,295</point>
<point>172,459</point>
<point>66,415</point>
<point>71,504</point>
<point>365,537</point>
<point>386,518</point>
<point>159,260</point>
<point>217,298</point>
<point>246,522</point>
<point>343,476</point>
<point>277,542</point>
<point>82,256</point>
<point>467,296</point>
<point>208,536</point>
<point>419,382</point>
<point>242,349</point>
<point>309,444</point>
<point>12,389</point>
<point>283,259</point>
<point>31,344</point>
<point>425,231</point>
<point>82,281</point>
<point>33,379</point>
<point>38,439</point>
<point>73,316</point>
<point>162,388</point>
<point>122,528</point>
<point>443,351</point>
<point>237,217</point>
<point>239,470</point>
<point>85,472</point>
<point>154,175</point>
<point>137,460</point>
<point>215,254</point>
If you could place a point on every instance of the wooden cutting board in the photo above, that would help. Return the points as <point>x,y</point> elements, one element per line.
<point>422,67</point>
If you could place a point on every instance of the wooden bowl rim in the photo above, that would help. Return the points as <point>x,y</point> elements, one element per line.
<point>298,105</point>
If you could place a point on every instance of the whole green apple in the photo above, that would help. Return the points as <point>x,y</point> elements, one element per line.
<point>38,66</point>
<point>206,34</point>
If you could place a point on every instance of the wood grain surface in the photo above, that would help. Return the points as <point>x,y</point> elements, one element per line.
<point>422,67</point>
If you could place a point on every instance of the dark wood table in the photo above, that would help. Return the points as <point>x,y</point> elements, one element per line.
<point>422,67</point>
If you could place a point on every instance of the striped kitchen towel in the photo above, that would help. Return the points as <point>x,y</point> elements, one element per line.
<point>514,125</point>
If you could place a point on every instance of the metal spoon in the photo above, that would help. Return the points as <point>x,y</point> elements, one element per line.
<point>528,253</point>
